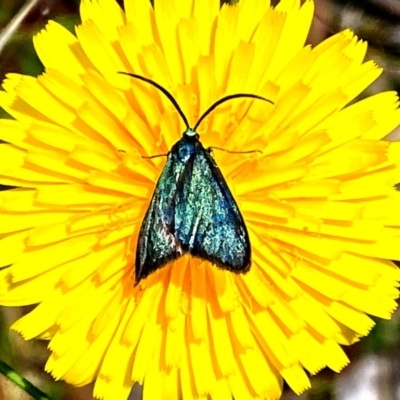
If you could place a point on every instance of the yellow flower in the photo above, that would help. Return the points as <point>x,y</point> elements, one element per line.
<point>319,202</point>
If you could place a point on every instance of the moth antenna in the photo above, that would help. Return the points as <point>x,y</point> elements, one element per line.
<point>227,98</point>
<point>207,112</point>
<point>162,89</point>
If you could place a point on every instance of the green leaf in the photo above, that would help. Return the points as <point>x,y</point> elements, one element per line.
<point>20,381</point>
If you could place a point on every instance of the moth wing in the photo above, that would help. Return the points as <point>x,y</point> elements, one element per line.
<point>157,243</point>
<point>208,223</point>
<point>192,211</point>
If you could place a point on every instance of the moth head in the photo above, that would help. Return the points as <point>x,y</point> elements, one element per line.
<point>191,133</point>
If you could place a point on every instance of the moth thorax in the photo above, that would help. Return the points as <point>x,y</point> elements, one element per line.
<point>185,150</point>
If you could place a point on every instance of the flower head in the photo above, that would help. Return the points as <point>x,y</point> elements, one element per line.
<point>319,203</point>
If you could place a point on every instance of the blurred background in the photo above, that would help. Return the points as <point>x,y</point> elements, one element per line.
<point>374,372</point>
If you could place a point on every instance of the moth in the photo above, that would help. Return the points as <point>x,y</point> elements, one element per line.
<point>192,210</point>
